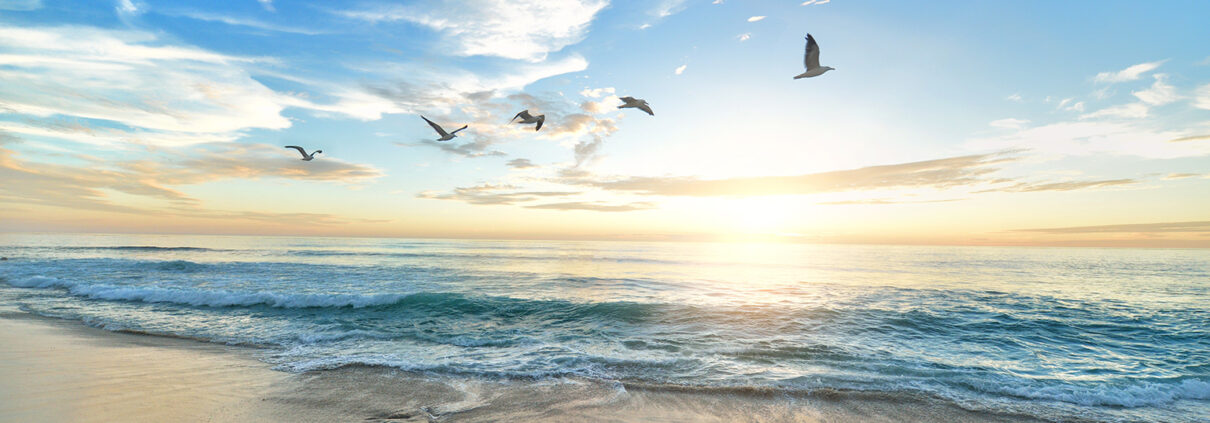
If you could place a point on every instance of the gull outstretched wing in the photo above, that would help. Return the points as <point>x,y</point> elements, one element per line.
<point>435,126</point>
<point>811,56</point>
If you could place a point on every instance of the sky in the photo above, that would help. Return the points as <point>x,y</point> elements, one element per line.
<point>945,122</point>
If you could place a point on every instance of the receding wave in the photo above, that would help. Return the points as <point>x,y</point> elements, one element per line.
<point>1140,394</point>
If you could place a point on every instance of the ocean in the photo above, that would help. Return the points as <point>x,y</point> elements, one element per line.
<point>1053,333</point>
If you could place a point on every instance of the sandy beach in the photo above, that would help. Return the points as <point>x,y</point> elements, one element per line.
<point>55,370</point>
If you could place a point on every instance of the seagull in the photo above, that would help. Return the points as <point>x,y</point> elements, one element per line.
<point>528,118</point>
<point>306,157</point>
<point>636,103</point>
<point>811,60</point>
<point>445,136</point>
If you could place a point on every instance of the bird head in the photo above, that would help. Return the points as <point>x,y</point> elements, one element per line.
<point>317,151</point>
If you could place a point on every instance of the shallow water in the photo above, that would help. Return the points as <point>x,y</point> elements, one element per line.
<point>1109,334</point>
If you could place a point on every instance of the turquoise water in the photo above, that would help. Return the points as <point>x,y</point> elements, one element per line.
<point>1106,334</point>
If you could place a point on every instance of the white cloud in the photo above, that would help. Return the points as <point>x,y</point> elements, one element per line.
<point>597,92</point>
<point>1015,97</point>
<point>668,8</point>
<point>681,69</point>
<point>1160,93</point>
<point>1008,123</point>
<point>267,4</point>
<point>1069,104</point>
<point>20,4</point>
<point>744,37</point>
<point>1129,74</point>
<point>1201,97</point>
<point>514,29</point>
<point>111,137</point>
<point>755,18</point>
<point>129,7</point>
<point>132,78</point>
<point>167,94</point>
<point>427,88</point>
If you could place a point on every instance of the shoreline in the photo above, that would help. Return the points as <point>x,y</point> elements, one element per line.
<point>61,370</point>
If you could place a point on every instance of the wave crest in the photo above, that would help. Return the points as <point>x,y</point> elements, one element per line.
<point>208,298</point>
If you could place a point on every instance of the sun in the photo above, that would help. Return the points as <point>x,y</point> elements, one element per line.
<point>762,215</point>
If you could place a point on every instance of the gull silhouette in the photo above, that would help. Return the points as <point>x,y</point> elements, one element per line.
<point>445,136</point>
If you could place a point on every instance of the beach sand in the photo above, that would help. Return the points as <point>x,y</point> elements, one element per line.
<point>54,370</point>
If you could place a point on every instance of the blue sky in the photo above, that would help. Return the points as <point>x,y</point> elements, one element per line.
<point>944,122</point>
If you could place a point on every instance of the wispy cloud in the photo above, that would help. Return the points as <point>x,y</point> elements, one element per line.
<point>884,201</point>
<point>681,69</point>
<point>132,78</point>
<point>267,4</point>
<point>1175,176</point>
<point>1126,111</point>
<point>75,131</point>
<point>470,149</point>
<point>666,8</point>
<point>1160,93</point>
<point>129,7</point>
<point>594,206</point>
<point>1129,74</point>
<point>755,18</point>
<point>1191,138</point>
<point>426,90</point>
<point>521,163</point>
<point>1195,226</point>
<point>489,194</point>
<point>744,37</point>
<point>239,21</point>
<point>940,173</point>
<point>1089,137</point>
<point>1060,186</point>
<point>1015,97</point>
<point>156,177</point>
<point>514,29</point>
<point>1201,97</point>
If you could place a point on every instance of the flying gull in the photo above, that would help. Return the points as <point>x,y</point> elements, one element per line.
<point>528,118</point>
<point>636,103</point>
<point>306,157</point>
<point>445,136</point>
<point>811,60</point>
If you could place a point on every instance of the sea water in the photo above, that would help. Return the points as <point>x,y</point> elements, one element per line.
<point>1105,334</point>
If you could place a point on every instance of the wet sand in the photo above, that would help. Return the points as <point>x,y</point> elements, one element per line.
<point>54,370</point>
